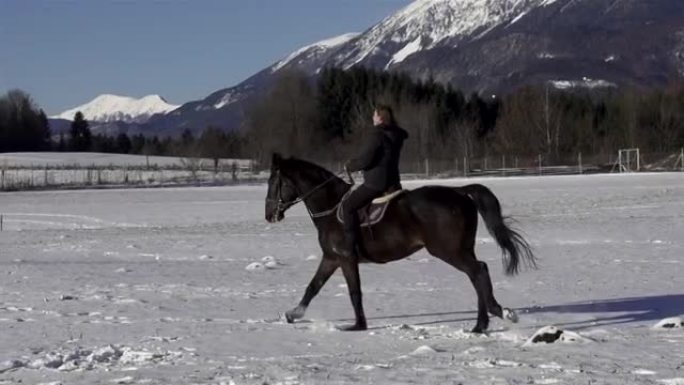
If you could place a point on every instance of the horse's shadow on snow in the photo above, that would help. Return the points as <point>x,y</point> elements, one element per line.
<point>605,312</point>
<point>616,311</point>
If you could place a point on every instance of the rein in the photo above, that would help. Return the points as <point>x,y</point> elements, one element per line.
<point>281,205</point>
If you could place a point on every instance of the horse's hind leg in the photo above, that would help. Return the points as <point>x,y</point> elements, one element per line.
<point>483,279</point>
<point>325,269</point>
<point>479,276</point>
<point>492,305</point>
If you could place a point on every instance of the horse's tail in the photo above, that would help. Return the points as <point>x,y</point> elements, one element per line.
<point>513,245</point>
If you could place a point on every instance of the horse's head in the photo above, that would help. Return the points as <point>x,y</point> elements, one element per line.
<point>281,191</point>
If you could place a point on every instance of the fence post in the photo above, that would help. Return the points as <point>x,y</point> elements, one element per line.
<point>579,161</point>
<point>540,164</point>
<point>503,164</point>
<point>465,166</point>
<point>485,164</point>
<point>638,160</point>
<point>427,167</point>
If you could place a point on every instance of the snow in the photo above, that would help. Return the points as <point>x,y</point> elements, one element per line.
<point>545,55</point>
<point>432,22</point>
<point>318,46</point>
<point>584,83</point>
<point>227,99</point>
<point>669,323</point>
<point>405,52</point>
<point>148,309</point>
<point>109,108</point>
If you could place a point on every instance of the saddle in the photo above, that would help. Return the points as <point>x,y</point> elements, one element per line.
<point>374,212</point>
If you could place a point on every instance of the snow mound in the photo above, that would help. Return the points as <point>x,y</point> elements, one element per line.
<point>8,365</point>
<point>672,381</point>
<point>255,266</point>
<point>425,350</point>
<point>551,334</point>
<point>79,359</point>
<point>268,262</point>
<point>669,323</point>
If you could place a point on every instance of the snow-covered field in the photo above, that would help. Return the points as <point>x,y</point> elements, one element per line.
<point>151,287</point>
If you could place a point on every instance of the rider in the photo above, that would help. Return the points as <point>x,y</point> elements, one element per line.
<point>379,161</point>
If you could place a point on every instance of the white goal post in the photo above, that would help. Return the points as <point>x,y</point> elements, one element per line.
<point>629,160</point>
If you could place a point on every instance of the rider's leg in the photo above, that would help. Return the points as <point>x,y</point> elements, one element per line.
<point>357,200</point>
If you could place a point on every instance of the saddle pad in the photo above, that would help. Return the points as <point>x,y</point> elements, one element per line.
<point>386,198</point>
<point>373,213</point>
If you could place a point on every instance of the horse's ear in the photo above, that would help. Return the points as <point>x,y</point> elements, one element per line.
<point>275,160</point>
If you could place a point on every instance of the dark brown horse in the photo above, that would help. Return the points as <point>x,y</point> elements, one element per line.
<point>441,219</point>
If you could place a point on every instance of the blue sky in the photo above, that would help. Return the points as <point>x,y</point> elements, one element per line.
<point>65,53</point>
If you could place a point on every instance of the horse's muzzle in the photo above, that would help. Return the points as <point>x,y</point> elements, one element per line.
<point>274,217</point>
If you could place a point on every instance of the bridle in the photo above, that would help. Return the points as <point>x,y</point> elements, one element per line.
<point>282,205</point>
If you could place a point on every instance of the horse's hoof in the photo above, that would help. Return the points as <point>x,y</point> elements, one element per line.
<point>352,328</point>
<point>479,330</point>
<point>294,314</point>
<point>510,315</point>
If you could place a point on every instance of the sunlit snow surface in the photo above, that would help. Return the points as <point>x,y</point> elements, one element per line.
<point>153,287</point>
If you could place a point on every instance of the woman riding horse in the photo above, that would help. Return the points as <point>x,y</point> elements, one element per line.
<point>441,219</point>
<point>379,161</point>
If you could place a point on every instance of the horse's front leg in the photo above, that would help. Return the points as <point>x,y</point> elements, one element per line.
<point>350,268</point>
<point>326,268</point>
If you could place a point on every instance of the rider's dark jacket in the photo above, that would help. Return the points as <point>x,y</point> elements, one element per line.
<point>379,158</point>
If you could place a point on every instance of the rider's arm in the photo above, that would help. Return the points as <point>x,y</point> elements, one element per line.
<point>367,157</point>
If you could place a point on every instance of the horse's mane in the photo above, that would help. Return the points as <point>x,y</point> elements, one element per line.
<point>307,168</point>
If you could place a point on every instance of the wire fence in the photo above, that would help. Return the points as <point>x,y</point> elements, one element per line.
<point>190,172</point>
<point>14,178</point>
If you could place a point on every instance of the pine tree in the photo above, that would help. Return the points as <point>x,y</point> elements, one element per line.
<point>123,143</point>
<point>43,137</point>
<point>81,138</point>
<point>61,145</point>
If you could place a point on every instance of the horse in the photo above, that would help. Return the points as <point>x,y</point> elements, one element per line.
<point>441,219</point>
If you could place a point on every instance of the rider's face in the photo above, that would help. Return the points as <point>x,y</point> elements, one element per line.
<point>376,118</point>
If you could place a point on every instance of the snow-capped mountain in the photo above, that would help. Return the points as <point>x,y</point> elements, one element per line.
<point>499,45</point>
<point>480,46</point>
<point>109,108</point>
<point>426,24</point>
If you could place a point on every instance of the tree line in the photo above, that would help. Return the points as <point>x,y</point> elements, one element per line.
<point>325,119</point>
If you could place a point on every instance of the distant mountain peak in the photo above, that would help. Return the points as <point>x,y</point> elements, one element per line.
<point>110,108</point>
<point>315,48</point>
